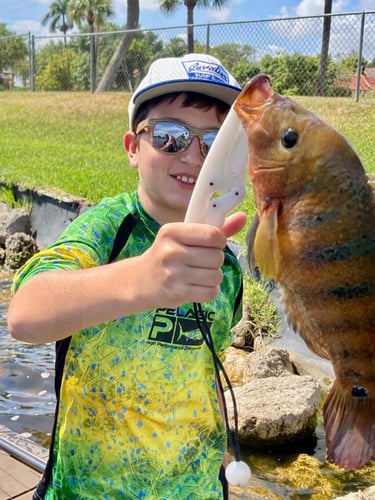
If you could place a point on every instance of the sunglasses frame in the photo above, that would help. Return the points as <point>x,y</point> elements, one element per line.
<point>148,125</point>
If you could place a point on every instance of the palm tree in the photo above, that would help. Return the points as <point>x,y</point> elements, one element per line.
<point>169,6</point>
<point>95,13</point>
<point>132,18</point>
<point>325,47</point>
<point>58,16</point>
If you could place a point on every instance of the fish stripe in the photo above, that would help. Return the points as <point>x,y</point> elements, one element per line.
<point>360,247</point>
<point>353,290</point>
<point>312,221</point>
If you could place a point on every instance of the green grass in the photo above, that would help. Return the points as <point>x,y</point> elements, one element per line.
<point>354,120</point>
<point>68,142</point>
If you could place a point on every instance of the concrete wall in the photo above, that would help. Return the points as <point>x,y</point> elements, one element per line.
<point>50,214</point>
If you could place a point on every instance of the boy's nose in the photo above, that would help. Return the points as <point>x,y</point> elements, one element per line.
<point>193,150</point>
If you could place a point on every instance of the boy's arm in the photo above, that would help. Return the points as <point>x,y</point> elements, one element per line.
<point>183,265</point>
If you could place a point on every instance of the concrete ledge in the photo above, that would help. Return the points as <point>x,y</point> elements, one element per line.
<point>23,449</point>
<point>50,214</point>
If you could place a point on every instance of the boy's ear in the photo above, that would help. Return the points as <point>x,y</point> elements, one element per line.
<point>130,146</point>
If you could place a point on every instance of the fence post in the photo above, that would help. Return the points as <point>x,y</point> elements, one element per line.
<point>92,62</point>
<point>208,39</point>
<point>32,62</point>
<point>359,65</point>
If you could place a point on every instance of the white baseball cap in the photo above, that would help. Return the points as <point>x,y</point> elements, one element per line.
<point>190,73</point>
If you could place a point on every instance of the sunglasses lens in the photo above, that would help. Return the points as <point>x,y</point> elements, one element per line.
<point>172,137</point>
<point>208,139</point>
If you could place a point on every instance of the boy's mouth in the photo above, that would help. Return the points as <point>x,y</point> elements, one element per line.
<point>186,179</point>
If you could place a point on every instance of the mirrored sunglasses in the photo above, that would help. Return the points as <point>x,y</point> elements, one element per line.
<point>170,136</point>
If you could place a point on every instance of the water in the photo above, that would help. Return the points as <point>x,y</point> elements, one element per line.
<point>27,404</point>
<point>27,399</point>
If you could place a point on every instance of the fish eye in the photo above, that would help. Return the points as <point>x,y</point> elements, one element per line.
<point>289,138</point>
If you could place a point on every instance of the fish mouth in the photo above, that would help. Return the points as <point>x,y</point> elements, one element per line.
<point>255,96</point>
<point>258,164</point>
<point>258,92</point>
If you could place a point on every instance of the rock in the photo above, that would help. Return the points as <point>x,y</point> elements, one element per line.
<point>241,330</point>
<point>236,361</point>
<point>270,361</point>
<point>276,410</point>
<point>19,247</point>
<point>236,493</point>
<point>13,221</point>
<point>17,244</point>
<point>242,366</point>
<point>18,221</point>
<point>367,494</point>
<point>2,256</point>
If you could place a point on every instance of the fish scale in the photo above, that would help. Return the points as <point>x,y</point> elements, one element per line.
<point>314,235</point>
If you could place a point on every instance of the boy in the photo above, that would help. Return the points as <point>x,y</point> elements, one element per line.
<point>138,415</point>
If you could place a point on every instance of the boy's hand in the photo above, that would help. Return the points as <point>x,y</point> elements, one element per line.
<point>184,263</point>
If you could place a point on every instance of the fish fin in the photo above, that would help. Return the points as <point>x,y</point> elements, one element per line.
<point>371,183</point>
<point>266,245</point>
<point>350,428</point>
<point>250,238</point>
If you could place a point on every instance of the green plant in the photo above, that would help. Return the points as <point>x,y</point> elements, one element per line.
<point>263,318</point>
<point>7,195</point>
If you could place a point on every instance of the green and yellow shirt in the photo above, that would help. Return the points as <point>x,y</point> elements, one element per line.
<point>137,411</point>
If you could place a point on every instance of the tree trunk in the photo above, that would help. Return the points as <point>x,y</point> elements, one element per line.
<point>92,59</point>
<point>325,48</point>
<point>114,64</point>
<point>190,28</point>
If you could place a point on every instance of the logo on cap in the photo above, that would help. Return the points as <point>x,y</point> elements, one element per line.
<point>202,70</point>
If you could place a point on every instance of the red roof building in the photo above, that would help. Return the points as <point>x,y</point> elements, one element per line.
<point>366,81</point>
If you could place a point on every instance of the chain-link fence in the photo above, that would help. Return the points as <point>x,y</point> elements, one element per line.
<point>14,61</point>
<point>331,55</point>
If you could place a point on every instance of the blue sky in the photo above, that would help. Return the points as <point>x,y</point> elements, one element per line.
<point>23,16</point>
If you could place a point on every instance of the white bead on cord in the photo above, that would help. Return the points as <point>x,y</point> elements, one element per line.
<point>237,473</point>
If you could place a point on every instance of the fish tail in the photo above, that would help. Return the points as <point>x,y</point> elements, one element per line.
<point>349,420</point>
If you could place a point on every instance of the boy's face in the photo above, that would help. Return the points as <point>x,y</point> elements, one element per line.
<point>166,181</point>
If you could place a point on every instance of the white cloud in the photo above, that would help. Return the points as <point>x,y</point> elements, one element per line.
<point>120,8</point>
<point>222,15</point>
<point>310,8</point>
<point>315,8</point>
<point>304,35</point>
<point>25,26</point>
<point>149,5</point>
<point>340,6</point>
<point>218,15</point>
<point>367,5</point>
<point>272,50</point>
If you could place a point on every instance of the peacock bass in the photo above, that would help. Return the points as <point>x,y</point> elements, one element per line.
<point>314,235</point>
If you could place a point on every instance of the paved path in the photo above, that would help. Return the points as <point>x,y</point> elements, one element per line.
<point>21,465</point>
<point>17,480</point>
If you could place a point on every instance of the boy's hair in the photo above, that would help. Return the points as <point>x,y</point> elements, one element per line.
<point>191,73</point>
<point>190,99</point>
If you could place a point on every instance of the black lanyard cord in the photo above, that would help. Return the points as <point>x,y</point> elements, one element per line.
<point>219,368</point>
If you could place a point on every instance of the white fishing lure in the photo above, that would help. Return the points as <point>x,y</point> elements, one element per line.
<point>221,184</point>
